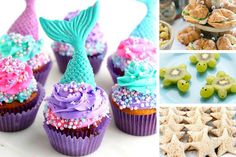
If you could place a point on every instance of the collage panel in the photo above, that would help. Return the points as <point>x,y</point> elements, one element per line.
<point>197,78</point>
<point>197,24</point>
<point>197,89</point>
<point>71,85</point>
<point>197,131</point>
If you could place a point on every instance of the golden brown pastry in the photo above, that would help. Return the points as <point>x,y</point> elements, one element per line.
<point>188,35</point>
<point>202,44</point>
<point>196,13</point>
<point>230,5</point>
<point>216,4</point>
<point>222,18</point>
<point>226,42</point>
<point>208,3</point>
<point>232,32</point>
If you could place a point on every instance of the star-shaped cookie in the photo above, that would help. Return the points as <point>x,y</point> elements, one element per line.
<point>195,115</point>
<point>206,146</point>
<point>172,124</point>
<point>222,124</point>
<point>198,125</point>
<point>171,114</point>
<point>223,111</point>
<point>227,145</point>
<point>175,148</point>
<point>168,134</point>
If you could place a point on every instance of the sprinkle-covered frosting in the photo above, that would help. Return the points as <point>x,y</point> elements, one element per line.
<point>19,47</point>
<point>75,106</point>
<point>133,100</point>
<point>134,49</point>
<point>94,44</point>
<point>137,88</point>
<point>139,76</point>
<point>16,80</point>
<point>38,61</point>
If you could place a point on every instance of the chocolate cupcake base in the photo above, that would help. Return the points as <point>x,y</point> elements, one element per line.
<point>12,122</point>
<point>138,125</point>
<point>95,61</point>
<point>74,146</point>
<point>42,74</point>
<point>114,72</point>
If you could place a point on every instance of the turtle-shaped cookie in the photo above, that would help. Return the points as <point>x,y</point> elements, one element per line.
<point>222,84</point>
<point>176,75</point>
<point>204,61</point>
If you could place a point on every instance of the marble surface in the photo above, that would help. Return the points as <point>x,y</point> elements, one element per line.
<point>118,18</point>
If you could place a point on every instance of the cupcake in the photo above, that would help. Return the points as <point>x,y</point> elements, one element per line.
<point>131,49</point>
<point>28,50</point>
<point>133,100</point>
<point>140,46</point>
<point>20,95</point>
<point>95,46</point>
<point>77,112</point>
<point>22,42</point>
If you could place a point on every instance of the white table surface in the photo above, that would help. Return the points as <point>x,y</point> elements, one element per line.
<point>117,19</point>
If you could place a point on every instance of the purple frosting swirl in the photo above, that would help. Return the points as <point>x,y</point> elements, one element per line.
<point>78,101</point>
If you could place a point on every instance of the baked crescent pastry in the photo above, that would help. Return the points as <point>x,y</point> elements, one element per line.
<point>222,18</point>
<point>209,3</point>
<point>188,35</point>
<point>202,44</point>
<point>231,32</point>
<point>226,42</point>
<point>196,13</point>
<point>230,5</point>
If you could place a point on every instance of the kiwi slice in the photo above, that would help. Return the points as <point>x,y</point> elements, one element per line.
<point>222,84</point>
<point>177,75</point>
<point>204,61</point>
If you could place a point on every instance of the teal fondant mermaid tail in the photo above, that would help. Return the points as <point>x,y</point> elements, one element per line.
<point>75,33</point>
<point>147,28</point>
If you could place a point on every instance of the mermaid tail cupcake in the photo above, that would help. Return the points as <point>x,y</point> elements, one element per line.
<point>22,43</point>
<point>140,46</point>
<point>26,23</point>
<point>77,112</point>
<point>147,27</point>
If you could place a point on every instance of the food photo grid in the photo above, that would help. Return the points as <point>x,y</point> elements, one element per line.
<point>197,78</point>
<point>78,78</point>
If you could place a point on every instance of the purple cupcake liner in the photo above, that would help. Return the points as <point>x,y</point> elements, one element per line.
<point>110,67</point>
<point>138,125</point>
<point>16,122</point>
<point>42,76</point>
<point>95,61</point>
<point>62,61</point>
<point>75,146</point>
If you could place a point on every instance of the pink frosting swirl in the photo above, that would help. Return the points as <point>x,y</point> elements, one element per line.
<point>15,76</point>
<point>136,49</point>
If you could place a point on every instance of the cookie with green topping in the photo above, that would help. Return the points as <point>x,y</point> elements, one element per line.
<point>204,61</point>
<point>222,84</point>
<point>176,75</point>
